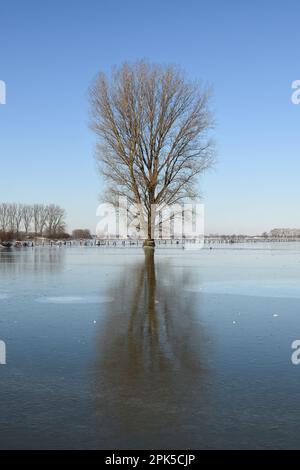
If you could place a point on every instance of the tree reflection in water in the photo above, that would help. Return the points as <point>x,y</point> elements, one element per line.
<point>151,377</point>
<point>31,260</point>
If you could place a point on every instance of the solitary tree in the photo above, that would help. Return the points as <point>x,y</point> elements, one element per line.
<point>153,127</point>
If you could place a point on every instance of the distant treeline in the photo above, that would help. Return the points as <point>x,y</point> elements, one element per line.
<point>81,234</point>
<point>19,221</point>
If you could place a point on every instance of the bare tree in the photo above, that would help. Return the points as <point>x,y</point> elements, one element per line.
<point>19,217</point>
<point>43,216</point>
<point>27,217</point>
<point>153,127</point>
<point>4,207</point>
<point>12,213</point>
<point>55,220</point>
<point>36,218</point>
<point>40,217</point>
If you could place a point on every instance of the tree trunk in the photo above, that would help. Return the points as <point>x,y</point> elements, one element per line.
<point>150,243</point>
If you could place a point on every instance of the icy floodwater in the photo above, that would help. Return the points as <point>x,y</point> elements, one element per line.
<point>109,348</point>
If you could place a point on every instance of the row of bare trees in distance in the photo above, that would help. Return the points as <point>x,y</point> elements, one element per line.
<point>23,220</point>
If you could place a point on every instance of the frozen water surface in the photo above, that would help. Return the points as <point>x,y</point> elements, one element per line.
<point>109,348</point>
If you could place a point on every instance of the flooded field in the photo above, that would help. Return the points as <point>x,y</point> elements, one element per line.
<point>109,348</point>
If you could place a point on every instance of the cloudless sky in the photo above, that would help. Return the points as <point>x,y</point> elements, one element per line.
<point>50,51</point>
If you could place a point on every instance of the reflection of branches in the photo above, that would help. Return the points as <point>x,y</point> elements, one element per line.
<point>150,362</point>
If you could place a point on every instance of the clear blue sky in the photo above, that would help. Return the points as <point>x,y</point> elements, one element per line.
<point>51,50</point>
